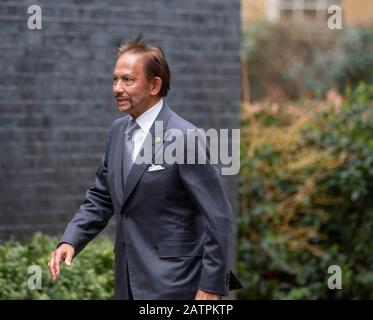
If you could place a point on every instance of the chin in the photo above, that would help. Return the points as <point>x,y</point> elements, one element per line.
<point>123,108</point>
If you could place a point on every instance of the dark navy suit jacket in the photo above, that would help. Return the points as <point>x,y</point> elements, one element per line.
<point>174,227</point>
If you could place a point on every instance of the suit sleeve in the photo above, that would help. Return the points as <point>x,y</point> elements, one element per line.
<point>94,213</point>
<point>203,183</point>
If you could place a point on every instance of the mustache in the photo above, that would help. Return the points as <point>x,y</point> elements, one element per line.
<point>127,98</point>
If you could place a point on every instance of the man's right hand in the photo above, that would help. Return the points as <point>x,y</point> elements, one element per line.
<point>64,252</point>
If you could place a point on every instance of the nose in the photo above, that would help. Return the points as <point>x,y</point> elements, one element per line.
<point>117,87</point>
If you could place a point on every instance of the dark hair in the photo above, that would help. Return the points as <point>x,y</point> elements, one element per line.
<point>155,63</point>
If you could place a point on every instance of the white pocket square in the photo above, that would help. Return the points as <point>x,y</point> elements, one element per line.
<point>155,167</point>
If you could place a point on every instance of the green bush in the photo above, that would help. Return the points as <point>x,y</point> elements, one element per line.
<point>90,277</point>
<point>288,61</point>
<point>355,64</point>
<point>306,190</point>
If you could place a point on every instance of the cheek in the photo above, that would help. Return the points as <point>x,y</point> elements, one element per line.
<point>132,90</point>
<point>136,94</point>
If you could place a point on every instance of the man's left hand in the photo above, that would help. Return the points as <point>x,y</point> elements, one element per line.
<point>203,295</point>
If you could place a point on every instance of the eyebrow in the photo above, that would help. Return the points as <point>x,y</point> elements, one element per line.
<point>123,75</point>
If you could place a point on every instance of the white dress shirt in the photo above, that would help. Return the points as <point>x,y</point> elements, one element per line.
<point>145,121</point>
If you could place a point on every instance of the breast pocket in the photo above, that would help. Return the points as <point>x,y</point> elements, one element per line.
<point>159,175</point>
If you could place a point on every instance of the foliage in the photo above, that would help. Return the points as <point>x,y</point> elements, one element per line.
<point>306,186</point>
<point>288,61</point>
<point>90,277</point>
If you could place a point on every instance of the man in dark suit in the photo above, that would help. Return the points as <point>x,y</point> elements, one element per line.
<point>174,223</point>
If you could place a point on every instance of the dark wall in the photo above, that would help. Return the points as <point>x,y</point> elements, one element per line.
<point>55,92</point>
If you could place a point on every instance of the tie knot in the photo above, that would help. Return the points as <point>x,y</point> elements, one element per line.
<point>132,126</point>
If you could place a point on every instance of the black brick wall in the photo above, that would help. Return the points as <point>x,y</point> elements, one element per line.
<point>55,92</point>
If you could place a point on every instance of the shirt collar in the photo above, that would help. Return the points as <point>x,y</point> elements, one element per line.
<point>146,119</point>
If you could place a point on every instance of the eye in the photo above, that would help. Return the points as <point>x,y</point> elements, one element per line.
<point>128,80</point>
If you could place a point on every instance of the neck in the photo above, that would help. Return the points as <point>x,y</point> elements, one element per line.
<point>153,102</point>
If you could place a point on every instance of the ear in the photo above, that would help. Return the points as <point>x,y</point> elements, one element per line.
<point>156,86</point>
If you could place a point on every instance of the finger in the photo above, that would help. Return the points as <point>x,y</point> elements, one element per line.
<point>69,257</point>
<point>198,295</point>
<point>59,255</point>
<point>50,269</point>
<point>51,266</point>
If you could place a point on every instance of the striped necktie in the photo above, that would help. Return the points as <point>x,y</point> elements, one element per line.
<point>128,147</point>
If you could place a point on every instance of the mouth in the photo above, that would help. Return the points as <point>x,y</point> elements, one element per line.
<point>122,99</point>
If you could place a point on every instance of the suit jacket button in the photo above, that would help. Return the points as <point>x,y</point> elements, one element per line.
<point>124,217</point>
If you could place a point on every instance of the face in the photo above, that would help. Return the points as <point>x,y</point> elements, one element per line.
<point>133,91</point>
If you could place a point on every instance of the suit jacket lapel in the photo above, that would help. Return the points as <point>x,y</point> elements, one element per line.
<point>118,164</point>
<point>138,169</point>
